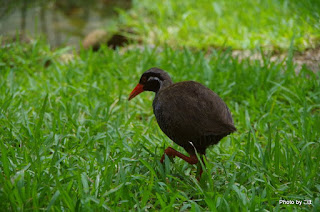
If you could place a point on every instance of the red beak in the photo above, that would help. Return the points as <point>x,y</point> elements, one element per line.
<point>138,89</point>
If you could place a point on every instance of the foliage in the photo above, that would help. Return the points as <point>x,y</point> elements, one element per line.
<point>240,24</point>
<point>70,140</point>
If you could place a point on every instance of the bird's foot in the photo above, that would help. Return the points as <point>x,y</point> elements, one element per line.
<point>172,153</point>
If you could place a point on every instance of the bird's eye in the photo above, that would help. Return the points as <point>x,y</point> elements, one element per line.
<point>144,79</point>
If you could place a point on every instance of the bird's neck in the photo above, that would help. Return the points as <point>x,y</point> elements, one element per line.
<point>164,84</point>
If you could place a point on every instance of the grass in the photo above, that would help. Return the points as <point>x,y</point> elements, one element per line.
<point>222,23</point>
<point>70,140</point>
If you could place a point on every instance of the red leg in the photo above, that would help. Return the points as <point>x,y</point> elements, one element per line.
<point>172,153</point>
<point>200,173</point>
<point>201,170</point>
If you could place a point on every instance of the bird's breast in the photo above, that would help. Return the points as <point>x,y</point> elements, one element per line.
<point>162,118</point>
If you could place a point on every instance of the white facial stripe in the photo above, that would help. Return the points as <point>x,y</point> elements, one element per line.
<point>155,79</point>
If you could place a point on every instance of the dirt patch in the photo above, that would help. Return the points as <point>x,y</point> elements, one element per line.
<point>310,58</point>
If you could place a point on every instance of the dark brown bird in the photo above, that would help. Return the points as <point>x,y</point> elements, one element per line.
<point>190,114</point>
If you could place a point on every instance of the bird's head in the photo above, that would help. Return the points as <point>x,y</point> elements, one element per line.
<point>152,80</point>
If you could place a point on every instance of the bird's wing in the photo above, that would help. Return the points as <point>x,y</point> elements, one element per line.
<point>191,109</point>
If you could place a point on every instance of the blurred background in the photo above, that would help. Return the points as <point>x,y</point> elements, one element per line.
<point>246,24</point>
<point>60,22</point>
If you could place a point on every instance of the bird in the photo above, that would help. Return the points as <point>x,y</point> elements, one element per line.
<point>189,113</point>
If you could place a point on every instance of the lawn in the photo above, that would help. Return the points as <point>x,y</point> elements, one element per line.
<point>70,140</point>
